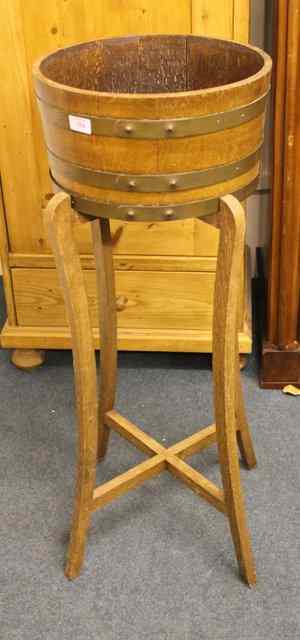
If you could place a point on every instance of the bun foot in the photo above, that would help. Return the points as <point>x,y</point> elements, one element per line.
<point>27,358</point>
<point>244,359</point>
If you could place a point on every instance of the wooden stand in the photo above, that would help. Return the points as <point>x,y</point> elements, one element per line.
<point>96,415</point>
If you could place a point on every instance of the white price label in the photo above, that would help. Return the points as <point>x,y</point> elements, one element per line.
<point>82,125</point>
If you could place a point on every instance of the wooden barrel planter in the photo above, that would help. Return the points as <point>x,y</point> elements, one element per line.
<point>153,127</point>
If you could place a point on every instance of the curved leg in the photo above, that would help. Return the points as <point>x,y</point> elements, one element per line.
<point>243,432</point>
<point>28,358</point>
<point>108,326</point>
<point>60,219</point>
<point>225,358</point>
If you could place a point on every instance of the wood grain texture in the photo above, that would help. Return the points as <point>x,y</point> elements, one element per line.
<point>126,481</point>
<point>132,433</point>
<point>289,284</point>
<point>123,262</point>
<point>20,181</point>
<point>136,16</point>
<point>107,312</point>
<point>151,156</point>
<point>169,106</point>
<point>150,302</point>
<point>147,64</point>
<point>241,20</point>
<point>280,73</point>
<point>280,352</point>
<point>243,435</point>
<point>46,37</point>
<point>59,220</point>
<point>248,74</point>
<point>148,239</point>
<point>39,299</point>
<point>230,259</point>
<point>213,18</point>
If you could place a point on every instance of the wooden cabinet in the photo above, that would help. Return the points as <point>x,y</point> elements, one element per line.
<point>281,349</point>
<point>165,271</point>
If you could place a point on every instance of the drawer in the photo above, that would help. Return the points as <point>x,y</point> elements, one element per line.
<point>146,299</point>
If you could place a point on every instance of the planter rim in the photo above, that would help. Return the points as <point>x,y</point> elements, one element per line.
<point>176,95</point>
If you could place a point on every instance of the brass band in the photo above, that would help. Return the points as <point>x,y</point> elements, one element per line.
<point>140,213</point>
<point>153,183</point>
<point>157,129</point>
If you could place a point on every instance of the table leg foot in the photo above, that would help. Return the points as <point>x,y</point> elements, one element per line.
<point>27,358</point>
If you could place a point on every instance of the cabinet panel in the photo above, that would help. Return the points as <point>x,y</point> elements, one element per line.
<point>213,18</point>
<point>206,239</point>
<point>144,16</point>
<point>19,175</point>
<point>241,25</point>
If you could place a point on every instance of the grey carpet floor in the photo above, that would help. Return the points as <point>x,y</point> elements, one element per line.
<point>159,563</point>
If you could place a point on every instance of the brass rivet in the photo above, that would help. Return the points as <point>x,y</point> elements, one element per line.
<point>243,115</point>
<point>132,184</point>
<point>130,214</point>
<point>129,128</point>
<point>170,128</point>
<point>168,213</point>
<point>173,184</point>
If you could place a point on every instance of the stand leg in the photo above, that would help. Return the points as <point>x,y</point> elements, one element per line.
<point>243,432</point>
<point>60,219</point>
<point>108,326</point>
<point>228,407</point>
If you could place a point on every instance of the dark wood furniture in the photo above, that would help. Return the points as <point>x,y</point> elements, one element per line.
<point>281,348</point>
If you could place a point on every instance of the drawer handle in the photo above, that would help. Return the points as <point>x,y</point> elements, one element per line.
<point>121,302</point>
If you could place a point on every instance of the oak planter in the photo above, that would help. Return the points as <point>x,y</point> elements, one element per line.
<point>137,130</point>
<point>153,127</point>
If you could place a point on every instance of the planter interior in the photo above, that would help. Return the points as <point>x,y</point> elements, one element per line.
<point>152,64</point>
